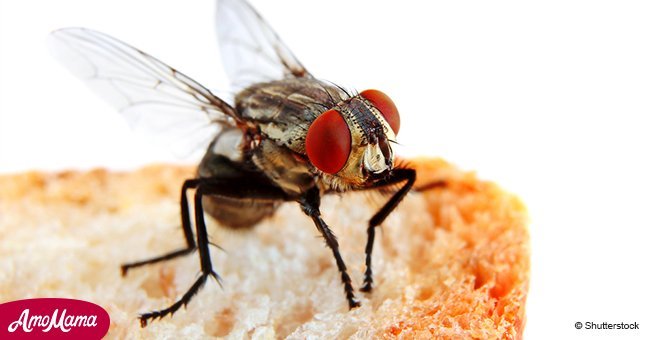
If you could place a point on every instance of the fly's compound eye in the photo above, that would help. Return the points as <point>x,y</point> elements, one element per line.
<point>385,105</point>
<point>328,142</point>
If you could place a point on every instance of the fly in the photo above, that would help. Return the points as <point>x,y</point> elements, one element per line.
<point>288,137</point>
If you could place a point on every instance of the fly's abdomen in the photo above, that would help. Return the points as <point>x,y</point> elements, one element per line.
<point>226,161</point>
<point>238,213</point>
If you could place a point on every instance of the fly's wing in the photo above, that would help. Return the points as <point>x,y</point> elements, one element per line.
<point>251,51</point>
<point>154,98</point>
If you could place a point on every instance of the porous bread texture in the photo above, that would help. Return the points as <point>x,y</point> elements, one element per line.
<point>450,263</point>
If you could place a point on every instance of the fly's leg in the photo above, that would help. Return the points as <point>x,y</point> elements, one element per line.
<point>217,187</point>
<point>431,186</point>
<point>310,203</point>
<point>397,175</point>
<point>206,263</point>
<point>187,231</point>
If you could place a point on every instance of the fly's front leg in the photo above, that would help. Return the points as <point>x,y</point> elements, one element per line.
<point>397,175</point>
<point>187,232</point>
<point>216,187</point>
<point>310,203</point>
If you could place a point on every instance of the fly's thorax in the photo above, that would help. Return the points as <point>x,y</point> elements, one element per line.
<point>284,109</point>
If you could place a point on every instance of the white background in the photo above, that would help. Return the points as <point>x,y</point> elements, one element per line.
<point>551,100</point>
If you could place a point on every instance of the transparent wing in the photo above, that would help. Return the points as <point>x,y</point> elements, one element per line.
<point>154,98</point>
<point>251,51</point>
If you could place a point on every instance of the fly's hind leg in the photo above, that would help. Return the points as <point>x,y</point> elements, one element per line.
<point>187,231</point>
<point>216,187</point>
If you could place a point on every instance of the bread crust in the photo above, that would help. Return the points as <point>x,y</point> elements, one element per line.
<point>488,296</point>
<point>460,271</point>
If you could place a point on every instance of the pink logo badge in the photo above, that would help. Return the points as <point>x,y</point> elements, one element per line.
<point>52,318</point>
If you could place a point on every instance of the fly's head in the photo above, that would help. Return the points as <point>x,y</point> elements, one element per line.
<point>352,140</point>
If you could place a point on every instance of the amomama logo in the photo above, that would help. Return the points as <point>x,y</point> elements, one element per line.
<point>52,318</point>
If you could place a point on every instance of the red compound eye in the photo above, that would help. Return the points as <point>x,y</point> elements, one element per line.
<point>385,105</point>
<point>328,142</point>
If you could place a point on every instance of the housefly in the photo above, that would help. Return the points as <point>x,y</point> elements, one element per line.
<point>288,136</point>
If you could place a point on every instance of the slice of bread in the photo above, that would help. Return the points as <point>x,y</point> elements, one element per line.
<point>452,262</point>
